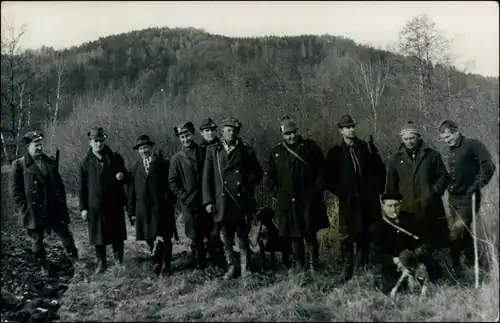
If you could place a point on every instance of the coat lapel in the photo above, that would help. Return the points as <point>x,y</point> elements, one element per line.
<point>234,158</point>
<point>155,161</point>
<point>31,167</point>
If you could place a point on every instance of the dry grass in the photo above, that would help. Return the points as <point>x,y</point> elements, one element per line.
<point>191,295</point>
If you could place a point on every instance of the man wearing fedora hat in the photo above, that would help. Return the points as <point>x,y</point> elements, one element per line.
<point>395,232</point>
<point>102,198</point>
<point>209,137</point>
<point>417,172</point>
<point>185,176</point>
<point>230,175</point>
<point>151,204</point>
<point>40,197</point>
<point>355,173</point>
<point>294,166</point>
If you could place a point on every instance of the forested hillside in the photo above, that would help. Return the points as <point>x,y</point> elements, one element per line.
<point>149,80</point>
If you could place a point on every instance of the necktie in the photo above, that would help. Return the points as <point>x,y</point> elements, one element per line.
<point>147,163</point>
<point>354,160</point>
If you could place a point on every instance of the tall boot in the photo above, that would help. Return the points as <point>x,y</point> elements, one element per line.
<point>167,258</point>
<point>231,261</point>
<point>313,250</point>
<point>118,253</point>
<point>194,256</point>
<point>201,255</point>
<point>299,254</point>
<point>100,251</point>
<point>42,261</point>
<point>244,263</point>
<point>347,252</point>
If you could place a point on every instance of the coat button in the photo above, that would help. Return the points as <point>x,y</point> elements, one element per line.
<point>225,182</point>
<point>34,182</point>
<point>293,199</point>
<point>238,194</point>
<point>237,171</point>
<point>223,194</point>
<point>32,202</point>
<point>237,183</point>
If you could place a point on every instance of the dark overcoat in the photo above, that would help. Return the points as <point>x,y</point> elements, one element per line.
<point>103,196</point>
<point>40,200</point>
<point>229,181</point>
<point>184,178</point>
<point>300,208</point>
<point>359,196</point>
<point>421,183</point>
<point>150,199</point>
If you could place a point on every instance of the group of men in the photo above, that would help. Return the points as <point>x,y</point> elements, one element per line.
<point>395,207</point>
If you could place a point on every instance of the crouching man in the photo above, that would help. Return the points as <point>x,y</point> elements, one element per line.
<point>151,204</point>
<point>394,235</point>
<point>39,194</point>
<point>229,178</point>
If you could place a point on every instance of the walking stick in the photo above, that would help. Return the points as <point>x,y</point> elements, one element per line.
<point>474,239</point>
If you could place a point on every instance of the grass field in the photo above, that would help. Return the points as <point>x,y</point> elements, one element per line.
<point>135,294</point>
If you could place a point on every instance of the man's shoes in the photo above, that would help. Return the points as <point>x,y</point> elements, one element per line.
<point>101,267</point>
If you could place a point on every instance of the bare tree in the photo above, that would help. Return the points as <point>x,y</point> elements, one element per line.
<point>426,47</point>
<point>368,81</point>
<point>60,67</point>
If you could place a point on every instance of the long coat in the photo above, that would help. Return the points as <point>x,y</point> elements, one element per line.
<point>184,178</point>
<point>421,183</point>
<point>300,208</point>
<point>229,181</point>
<point>359,196</point>
<point>40,200</point>
<point>150,199</point>
<point>103,196</point>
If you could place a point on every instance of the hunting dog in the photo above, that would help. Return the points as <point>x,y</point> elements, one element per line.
<point>269,239</point>
<point>413,272</point>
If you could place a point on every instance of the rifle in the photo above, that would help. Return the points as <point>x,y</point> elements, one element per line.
<point>176,234</point>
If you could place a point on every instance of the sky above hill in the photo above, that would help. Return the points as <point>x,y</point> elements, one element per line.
<point>472,25</point>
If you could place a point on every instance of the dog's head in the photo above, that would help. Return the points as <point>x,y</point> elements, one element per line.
<point>265,216</point>
<point>408,260</point>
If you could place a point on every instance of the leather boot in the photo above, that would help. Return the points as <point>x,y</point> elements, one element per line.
<point>347,252</point>
<point>313,259</point>
<point>44,264</point>
<point>101,259</point>
<point>201,256</point>
<point>167,260</point>
<point>194,256</point>
<point>231,261</point>
<point>244,264</point>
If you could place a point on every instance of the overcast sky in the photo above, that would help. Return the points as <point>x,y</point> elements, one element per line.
<point>473,25</point>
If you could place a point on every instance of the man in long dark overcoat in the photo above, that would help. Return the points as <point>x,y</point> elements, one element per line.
<point>294,169</point>
<point>229,178</point>
<point>417,172</point>
<point>355,173</point>
<point>208,130</point>
<point>102,198</point>
<point>151,204</point>
<point>40,197</point>
<point>470,169</point>
<point>185,176</point>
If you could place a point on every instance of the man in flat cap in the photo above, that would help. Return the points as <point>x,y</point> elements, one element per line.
<point>395,232</point>
<point>209,137</point>
<point>40,197</point>
<point>185,176</point>
<point>417,172</point>
<point>355,173</point>
<point>470,169</point>
<point>151,204</point>
<point>102,198</point>
<point>229,178</point>
<point>294,169</point>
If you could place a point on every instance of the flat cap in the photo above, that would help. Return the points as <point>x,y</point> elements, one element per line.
<point>97,133</point>
<point>231,122</point>
<point>392,196</point>
<point>32,136</point>
<point>208,123</point>
<point>346,121</point>
<point>184,127</point>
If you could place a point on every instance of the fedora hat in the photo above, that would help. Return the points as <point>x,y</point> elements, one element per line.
<point>143,140</point>
<point>184,127</point>
<point>97,133</point>
<point>208,123</point>
<point>346,121</point>
<point>231,122</point>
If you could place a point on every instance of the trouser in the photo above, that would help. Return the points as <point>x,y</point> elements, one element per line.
<point>117,252</point>
<point>204,227</point>
<point>162,251</point>
<point>37,240</point>
<point>461,238</point>
<point>229,230</point>
<point>299,252</point>
<point>347,241</point>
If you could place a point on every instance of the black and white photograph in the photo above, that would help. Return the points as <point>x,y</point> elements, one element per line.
<point>250,161</point>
